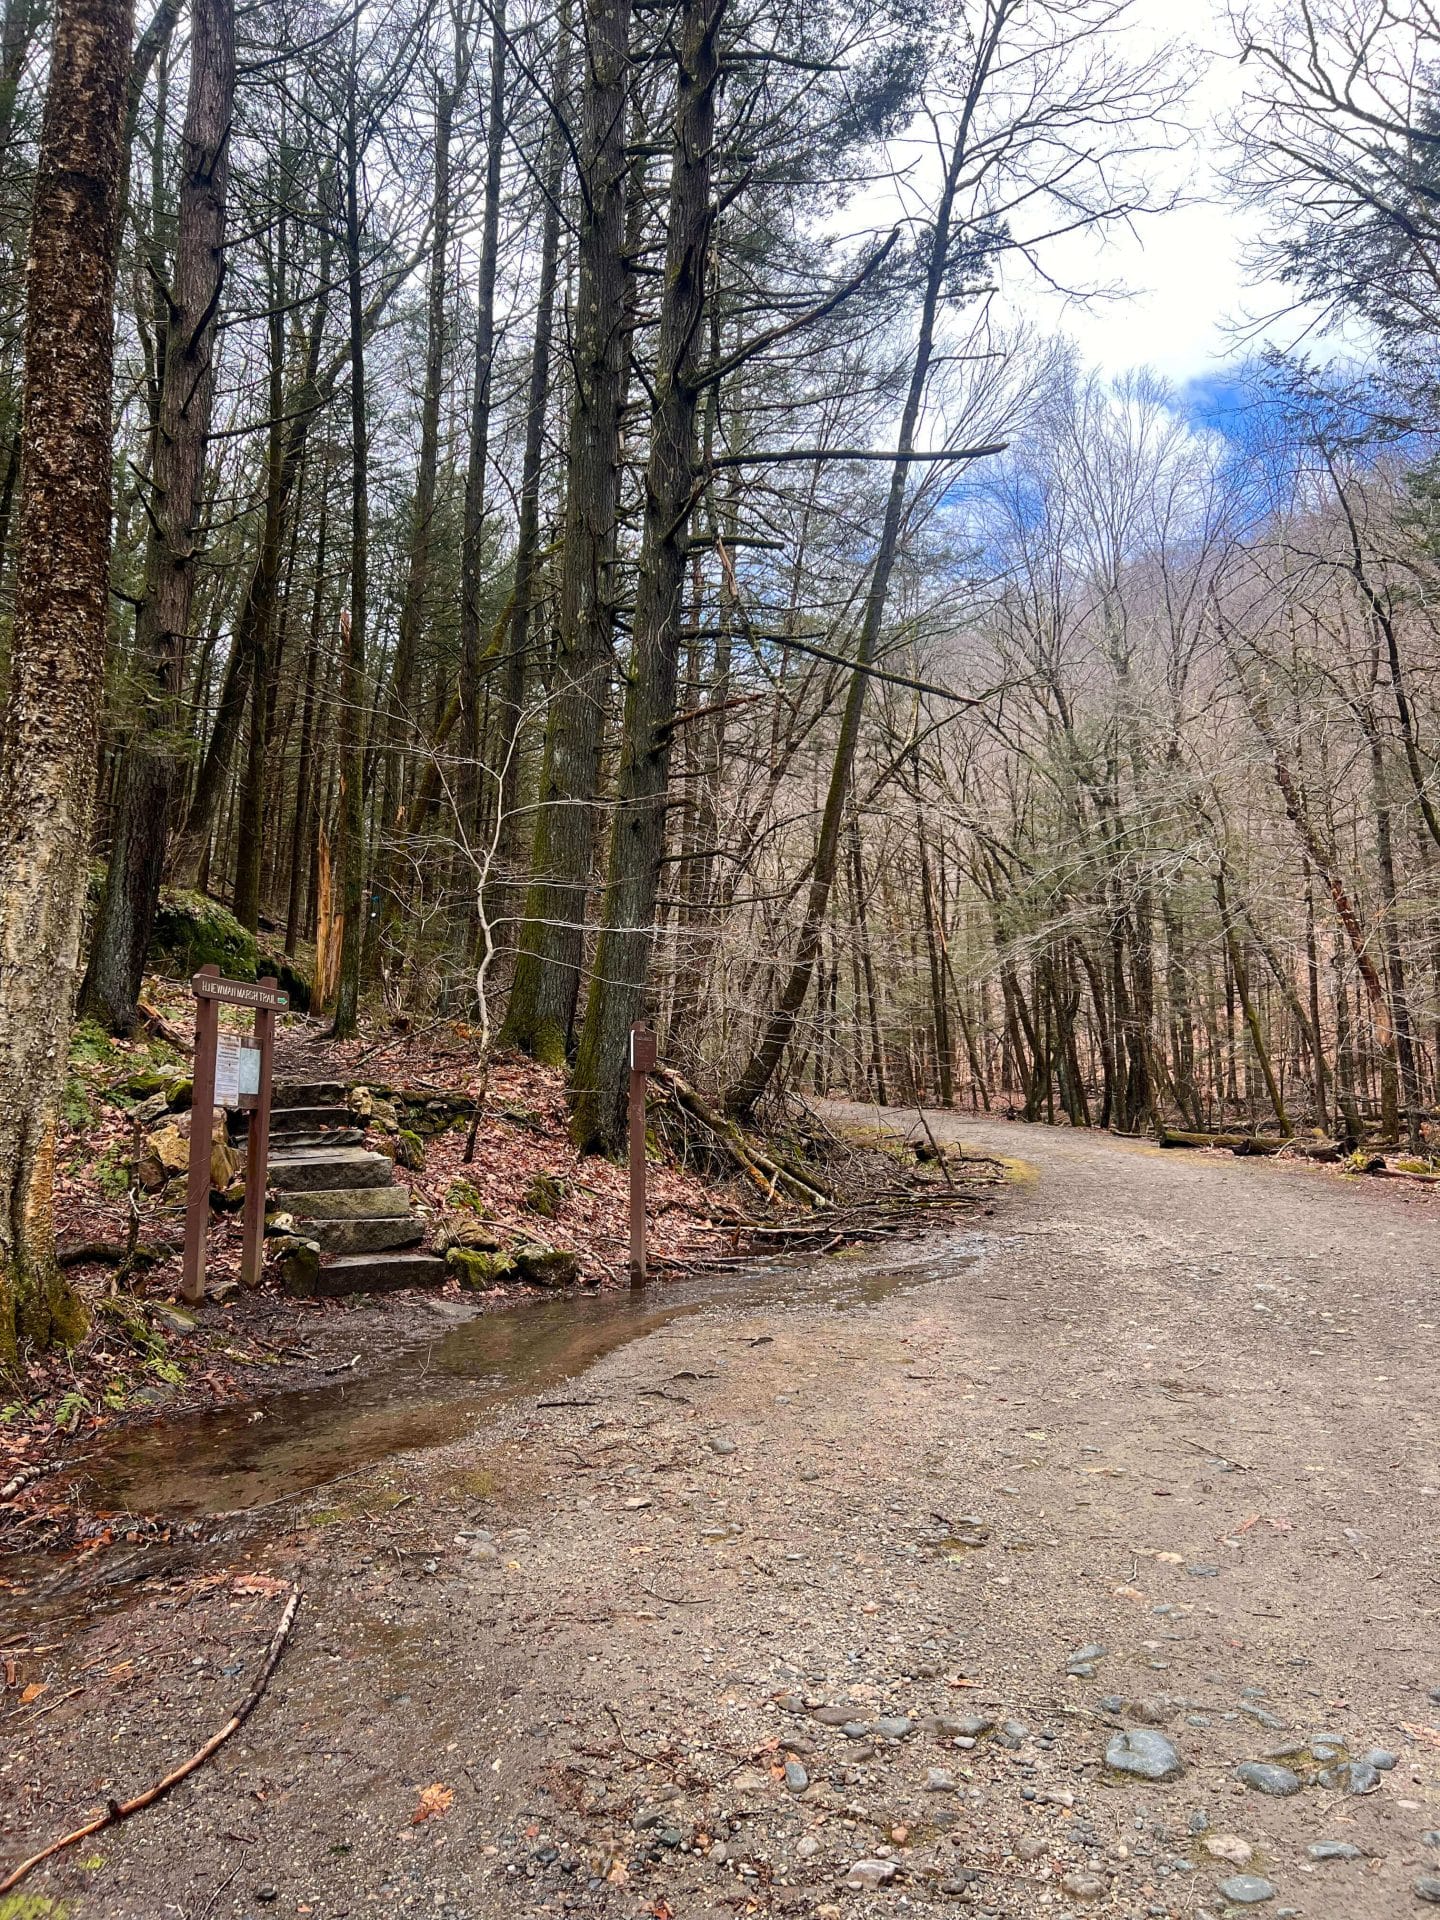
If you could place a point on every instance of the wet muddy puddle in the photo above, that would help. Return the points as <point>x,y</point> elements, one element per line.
<point>226,1474</point>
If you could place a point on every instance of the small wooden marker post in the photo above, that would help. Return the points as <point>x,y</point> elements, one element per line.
<point>210,991</point>
<point>642,1063</point>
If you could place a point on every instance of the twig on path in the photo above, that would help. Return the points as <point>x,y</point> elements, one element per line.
<point>220,1889</point>
<point>119,1810</point>
<point>1215,1453</point>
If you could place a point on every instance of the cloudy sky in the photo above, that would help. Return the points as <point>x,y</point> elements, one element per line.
<point>1188,293</point>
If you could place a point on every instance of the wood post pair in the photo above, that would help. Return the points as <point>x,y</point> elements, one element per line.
<point>209,1089</point>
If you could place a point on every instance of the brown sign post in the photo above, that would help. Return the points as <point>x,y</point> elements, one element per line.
<point>642,1064</point>
<point>245,1082</point>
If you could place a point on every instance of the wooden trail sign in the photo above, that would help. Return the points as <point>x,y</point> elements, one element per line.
<point>208,985</point>
<point>230,1071</point>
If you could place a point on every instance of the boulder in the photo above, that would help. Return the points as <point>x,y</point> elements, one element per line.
<point>362,1101</point>
<point>410,1150</point>
<point>464,1230</point>
<point>479,1270</point>
<point>546,1266</point>
<point>463,1193</point>
<point>193,931</point>
<point>298,1264</point>
<point>141,1085</point>
<point>545,1195</point>
<point>174,1319</point>
<point>166,1152</point>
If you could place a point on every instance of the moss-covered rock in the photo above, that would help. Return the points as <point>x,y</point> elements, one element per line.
<point>547,1266</point>
<point>464,1193</point>
<point>546,1194</point>
<point>477,1269</point>
<point>298,1261</point>
<point>193,931</point>
<point>146,1083</point>
<point>436,1112</point>
<point>410,1151</point>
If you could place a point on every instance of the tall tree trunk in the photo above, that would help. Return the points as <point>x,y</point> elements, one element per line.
<point>313,391</point>
<point>472,546</point>
<point>776,1030</point>
<point>541,1014</point>
<point>527,536</point>
<point>303,825</point>
<point>152,769</point>
<point>400,717</point>
<point>50,730</point>
<point>352,675</point>
<point>263,668</point>
<point>637,837</point>
<point>1390,945</point>
<point>867,961</point>
<point>1252,1017</point>
<point>935,953</point>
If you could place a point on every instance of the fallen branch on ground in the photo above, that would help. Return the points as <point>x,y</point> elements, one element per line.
<point>767,1172</point>
<point>111,1254</point>
<point>157,1024</point>
<point>1241,1143</point>
<point>119,1810</point>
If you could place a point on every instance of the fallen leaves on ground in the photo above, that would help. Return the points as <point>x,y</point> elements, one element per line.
<point>434,1800</point>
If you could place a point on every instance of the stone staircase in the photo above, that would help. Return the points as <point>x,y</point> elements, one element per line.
<point>343,1196</point>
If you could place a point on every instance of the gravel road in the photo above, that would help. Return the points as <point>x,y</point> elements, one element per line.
<point>855,1606</point>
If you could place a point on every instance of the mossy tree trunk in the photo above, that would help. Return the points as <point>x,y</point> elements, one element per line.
<point>50,731</point>
<point>545,989</point>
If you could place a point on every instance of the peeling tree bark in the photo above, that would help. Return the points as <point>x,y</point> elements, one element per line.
<point>51,724</point>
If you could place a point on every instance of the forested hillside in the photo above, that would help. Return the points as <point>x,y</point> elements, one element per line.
<point>555,513</point>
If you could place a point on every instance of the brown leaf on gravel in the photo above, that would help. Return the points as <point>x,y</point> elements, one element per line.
<point>436,1799</point>
<point>1430,1735</point>
<point>32,1692</point>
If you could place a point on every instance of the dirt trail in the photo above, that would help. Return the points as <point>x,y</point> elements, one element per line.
<point>701,1631</point>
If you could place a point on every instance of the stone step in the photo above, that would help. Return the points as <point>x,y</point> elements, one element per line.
<point>344,1203</point>
<point>378,1273</point>
<point>306,1093</point>
<point>329,1167</point>
<point>288,1120</point>
<point>314,1142</point>
<point>380,1234</point>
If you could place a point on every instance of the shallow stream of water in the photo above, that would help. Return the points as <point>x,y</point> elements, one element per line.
<point>236,1469</point>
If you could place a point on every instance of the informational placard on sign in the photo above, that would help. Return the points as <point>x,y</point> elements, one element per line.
<point>231,1070</point>
<point>228,1055</point>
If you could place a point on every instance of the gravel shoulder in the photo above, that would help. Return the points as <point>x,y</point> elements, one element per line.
<point>775,1590</point>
